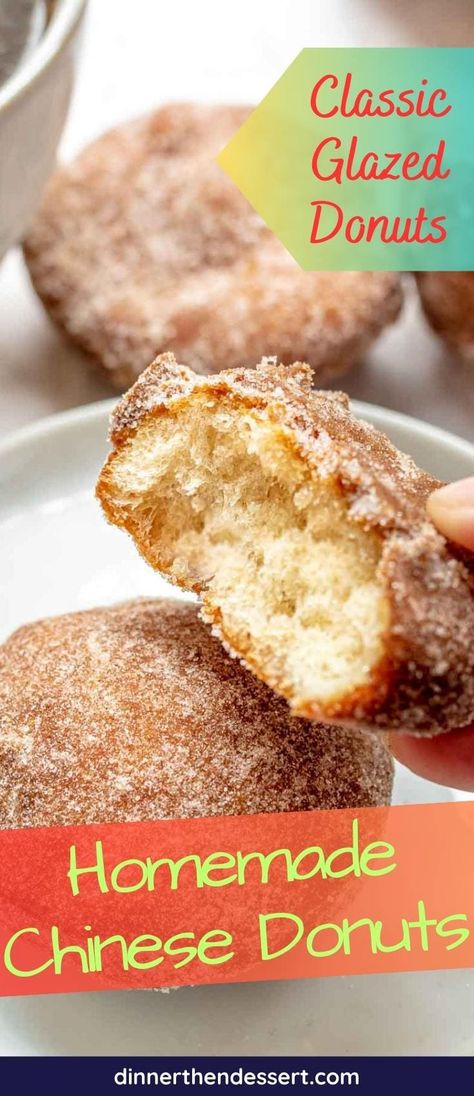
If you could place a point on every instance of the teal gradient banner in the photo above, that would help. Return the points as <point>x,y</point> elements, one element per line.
<point>363,159</point>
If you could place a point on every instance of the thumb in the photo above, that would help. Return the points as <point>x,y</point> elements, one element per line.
<point>451,509</point>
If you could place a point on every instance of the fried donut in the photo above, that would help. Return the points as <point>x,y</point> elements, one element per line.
<point>304,531</point>
<point>144,243</point>
<point>135,712</point>
<point>448,302</point>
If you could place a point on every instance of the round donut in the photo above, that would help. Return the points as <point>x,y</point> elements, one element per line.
<point>135,712</point>
<point>305,533</point>
<point>448,302</point>
<point>143,243</point>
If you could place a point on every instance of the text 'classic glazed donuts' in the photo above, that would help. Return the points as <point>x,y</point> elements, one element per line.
<point>305,533</point>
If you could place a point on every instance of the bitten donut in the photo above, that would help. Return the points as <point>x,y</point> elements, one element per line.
<point>304,532</point>
<point>135,712</point>
<point>143,243</point>
<point>448,302</point>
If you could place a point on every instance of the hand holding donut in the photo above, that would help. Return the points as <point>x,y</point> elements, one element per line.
<point>447,759</point>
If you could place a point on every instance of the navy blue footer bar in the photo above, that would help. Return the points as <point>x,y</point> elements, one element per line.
<point>116,1075</point>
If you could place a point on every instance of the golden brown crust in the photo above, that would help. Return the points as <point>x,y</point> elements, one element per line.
<point>425,681</point>
<point>143,243</point>
<point>135,712</point>
<point>448,302</point>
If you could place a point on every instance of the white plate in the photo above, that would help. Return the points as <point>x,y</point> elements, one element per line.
<point>58,554</point>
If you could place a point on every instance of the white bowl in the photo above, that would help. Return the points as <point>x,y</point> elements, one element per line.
<point>33,107</point>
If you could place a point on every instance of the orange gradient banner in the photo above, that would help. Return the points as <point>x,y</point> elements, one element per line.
<point>249,898</point>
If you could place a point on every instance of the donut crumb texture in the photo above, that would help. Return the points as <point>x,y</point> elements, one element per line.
<point>304,532</point>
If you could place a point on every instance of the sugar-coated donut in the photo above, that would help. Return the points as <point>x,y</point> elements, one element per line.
<point>448,302</point>
<point>136,712</point>
<point>143,243</point>
<point>305,533</point>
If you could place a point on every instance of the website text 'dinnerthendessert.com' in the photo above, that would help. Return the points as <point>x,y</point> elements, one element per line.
<point>236,543</point>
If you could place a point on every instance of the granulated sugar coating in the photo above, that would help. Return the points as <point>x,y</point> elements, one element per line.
<point>304,531</point>
<point>447,297</point>
<point>143,244</point>
<point>135,712</point>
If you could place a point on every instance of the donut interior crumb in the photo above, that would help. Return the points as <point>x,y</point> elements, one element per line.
<point>220,501</point>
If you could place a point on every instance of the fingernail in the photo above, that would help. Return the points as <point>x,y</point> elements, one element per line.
<point>455,496</point>
<point>451,509</point>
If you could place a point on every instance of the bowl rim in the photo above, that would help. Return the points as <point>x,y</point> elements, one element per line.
<point>65,19</point>
<point>87,413</point>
